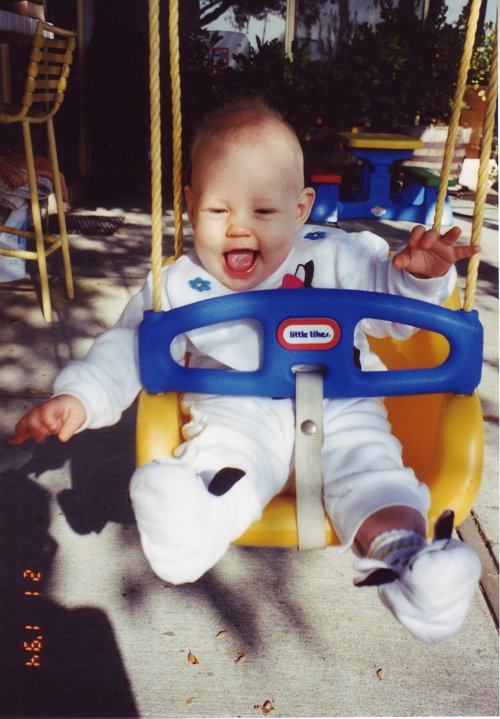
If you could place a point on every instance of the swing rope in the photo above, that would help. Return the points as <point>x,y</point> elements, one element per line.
<point>451,138</point>
<point>175,84</point>
<point>485,154</point>
<point>155,122</point>
<point>482,187</point>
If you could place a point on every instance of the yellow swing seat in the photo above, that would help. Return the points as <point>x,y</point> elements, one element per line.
<point>441,435</point>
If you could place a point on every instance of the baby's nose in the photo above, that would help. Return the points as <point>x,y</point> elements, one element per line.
<point>238,226</point>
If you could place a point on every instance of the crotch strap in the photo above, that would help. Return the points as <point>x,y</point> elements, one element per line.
<point>308,469</point>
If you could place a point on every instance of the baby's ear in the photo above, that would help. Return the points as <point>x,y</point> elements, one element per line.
<point>305,204</point>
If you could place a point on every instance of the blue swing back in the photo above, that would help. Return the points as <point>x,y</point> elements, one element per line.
<point>320,332</point>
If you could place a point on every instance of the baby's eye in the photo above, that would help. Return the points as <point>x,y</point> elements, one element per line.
<point>265,211</point>
<point>217,210</point>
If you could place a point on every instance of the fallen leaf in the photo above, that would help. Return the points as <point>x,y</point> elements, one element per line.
<point>222,634</point>
<point>265,708</point>
<point>240,656</point>
<point>192,658</point>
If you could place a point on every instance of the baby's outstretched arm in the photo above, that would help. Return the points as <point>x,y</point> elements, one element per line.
<point>430,254</point>
<point>62,415</point>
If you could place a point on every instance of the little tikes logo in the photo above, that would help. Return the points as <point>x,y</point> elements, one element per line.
<point>321,333</point>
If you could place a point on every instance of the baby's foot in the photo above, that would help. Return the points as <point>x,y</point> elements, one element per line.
<point>428,588</point>
<point>185,528</point>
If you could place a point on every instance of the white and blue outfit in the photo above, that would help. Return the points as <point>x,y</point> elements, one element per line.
<point>184,528</point>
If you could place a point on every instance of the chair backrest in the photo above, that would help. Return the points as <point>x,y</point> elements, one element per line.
<point>48,70</point>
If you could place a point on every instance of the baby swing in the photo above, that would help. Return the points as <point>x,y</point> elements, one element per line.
<point>430,384</point>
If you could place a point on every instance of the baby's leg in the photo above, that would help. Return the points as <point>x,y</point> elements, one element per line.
<point>235,459</point>
<point>363,467</point>
<point>428,588</point>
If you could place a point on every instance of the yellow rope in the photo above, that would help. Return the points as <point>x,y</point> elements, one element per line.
<point>155,121</point>
<point>175,83</point>
<point>482,186</point>
<point>455,111</point>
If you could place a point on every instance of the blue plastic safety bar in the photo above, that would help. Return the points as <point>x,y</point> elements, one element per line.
<point>319,332</point>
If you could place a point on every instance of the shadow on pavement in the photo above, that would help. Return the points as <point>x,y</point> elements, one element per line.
<point>54,661</point>
<point>102,463</point>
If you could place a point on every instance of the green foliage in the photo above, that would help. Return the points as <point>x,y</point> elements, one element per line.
<point>299,89</point>
<point>302,90</point>
<point>481,58</point>
<point>382,78</point>
<point>402,68</point>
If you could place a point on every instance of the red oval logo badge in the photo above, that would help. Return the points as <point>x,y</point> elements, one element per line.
<point>298,333</point>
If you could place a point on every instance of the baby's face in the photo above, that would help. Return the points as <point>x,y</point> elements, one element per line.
<point>245,204</point>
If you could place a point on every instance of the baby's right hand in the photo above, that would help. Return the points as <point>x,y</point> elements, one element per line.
<point>62,415</point>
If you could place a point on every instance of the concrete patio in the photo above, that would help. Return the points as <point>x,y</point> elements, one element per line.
<point>266,631</point>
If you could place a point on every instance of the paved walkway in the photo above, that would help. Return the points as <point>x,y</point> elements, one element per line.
<point>266,631</point>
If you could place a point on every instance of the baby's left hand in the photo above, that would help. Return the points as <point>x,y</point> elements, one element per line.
<point>429,254</point>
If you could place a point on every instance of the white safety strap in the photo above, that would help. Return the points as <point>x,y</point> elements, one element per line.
<point>308,469</point>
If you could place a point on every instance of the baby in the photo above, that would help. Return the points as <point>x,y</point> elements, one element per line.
<point>248,205</point>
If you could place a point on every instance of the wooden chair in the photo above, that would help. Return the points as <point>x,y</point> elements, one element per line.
<point>48,70</point>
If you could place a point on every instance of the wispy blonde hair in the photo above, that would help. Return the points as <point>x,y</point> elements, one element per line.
<point>243,117</point>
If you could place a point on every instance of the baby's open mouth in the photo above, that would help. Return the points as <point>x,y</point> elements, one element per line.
<point>240,260</point>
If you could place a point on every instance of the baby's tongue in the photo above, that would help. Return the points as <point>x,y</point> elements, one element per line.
<point>240,260</point>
